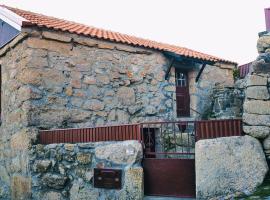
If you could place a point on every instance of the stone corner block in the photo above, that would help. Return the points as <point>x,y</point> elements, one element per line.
<point>224,165</point>
<point>255,80</point>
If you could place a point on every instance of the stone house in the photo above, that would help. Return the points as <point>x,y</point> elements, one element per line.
<point>60,74</point>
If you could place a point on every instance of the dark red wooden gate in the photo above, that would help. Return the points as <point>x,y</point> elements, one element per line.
<point>182,94</point>
<point>169,164</point>
<point>169,177</point>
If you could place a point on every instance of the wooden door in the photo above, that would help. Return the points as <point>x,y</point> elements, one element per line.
<point>182,94</point>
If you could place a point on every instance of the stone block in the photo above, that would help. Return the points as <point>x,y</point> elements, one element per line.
<point>69,91</point>
<point>52,196</point>
<point>62,48</point>
<point>126,96</point>
<point>20,187</point>
<point>56,36</point>
<point>69,147</point>
<point>224,166</point>
<point>256,120</point>
<point>90,80</point>
<point>257,107</point>
<point>263,43</point>
<point>133,187</point>
<point>20,140</point>
<point>266,143</point>
<point>255,80</point>
<point>127,152</point>
<point>42,165</point>
<point>84,158</point>
<point>86,41</point>
<point>55,181</point>
<point>259,132</point>
<point>93,104</point>
<point>257,92</point>
<point>30,76</point>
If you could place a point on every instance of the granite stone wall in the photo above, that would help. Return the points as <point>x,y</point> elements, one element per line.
<point>256,115</point>
<point>59,80</point>
<point>65,171</point>
<point>227,101</point>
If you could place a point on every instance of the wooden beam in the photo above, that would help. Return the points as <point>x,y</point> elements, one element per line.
<point>200,72</point>
<point>169,69</point>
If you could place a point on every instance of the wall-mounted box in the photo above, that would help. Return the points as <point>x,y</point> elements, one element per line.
<point>107,178</point>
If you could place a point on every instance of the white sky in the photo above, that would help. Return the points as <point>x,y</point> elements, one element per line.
<point>225,28</point>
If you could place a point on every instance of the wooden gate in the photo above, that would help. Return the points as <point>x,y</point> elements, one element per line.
<point>169,165</point>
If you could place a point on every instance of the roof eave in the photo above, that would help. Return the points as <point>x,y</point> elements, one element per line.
<point>12,18</point>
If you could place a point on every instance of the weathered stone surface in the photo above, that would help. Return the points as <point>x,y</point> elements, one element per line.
<point>4,177</point>
<point>56,181</point>
<point>52,196</point>
<point>94,105</point>
<point>257,107</point>
<point>133,188</point>
<point>62,76</point>
<point>266,143</point>
<point>255,80</point>
<point>226,166</point>
<point>30,76</point>
<point>257,120</point>
<point>86,41</point>
<point>69,147</point>
<point>262,64</point>
<point>84,158</point>
<point>59,47</point>
<point>56,36</point>
<point>20,187</point>
<point>263,43</point>
<point>89,80</point>
<point>84,194</point>
<point>259,132</point>
<point>128,152</point>
<point>121,117</point>
<point>42,165</point>
<point>257,92</point>
<point>20,140</point>
<point>150,110</point>
<point>126,96</point>
<point>69,91</point>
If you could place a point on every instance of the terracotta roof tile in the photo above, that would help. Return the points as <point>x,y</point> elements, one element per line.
<point>40,20</point>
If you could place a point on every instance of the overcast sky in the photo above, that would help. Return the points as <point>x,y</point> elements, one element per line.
<point>225,28</point>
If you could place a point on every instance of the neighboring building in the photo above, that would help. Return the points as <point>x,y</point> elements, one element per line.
<point>244,69</point>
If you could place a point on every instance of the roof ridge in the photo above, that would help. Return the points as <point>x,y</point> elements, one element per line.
<point>37,19</point>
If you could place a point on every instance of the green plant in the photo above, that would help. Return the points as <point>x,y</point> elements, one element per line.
<point>236,73</point>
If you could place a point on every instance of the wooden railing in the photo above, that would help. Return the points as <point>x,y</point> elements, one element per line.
<point>205,129</point>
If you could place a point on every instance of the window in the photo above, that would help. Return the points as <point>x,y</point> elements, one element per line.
<point>180,79</point>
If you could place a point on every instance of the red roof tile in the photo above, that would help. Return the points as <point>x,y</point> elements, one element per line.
<point>40,20</point>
